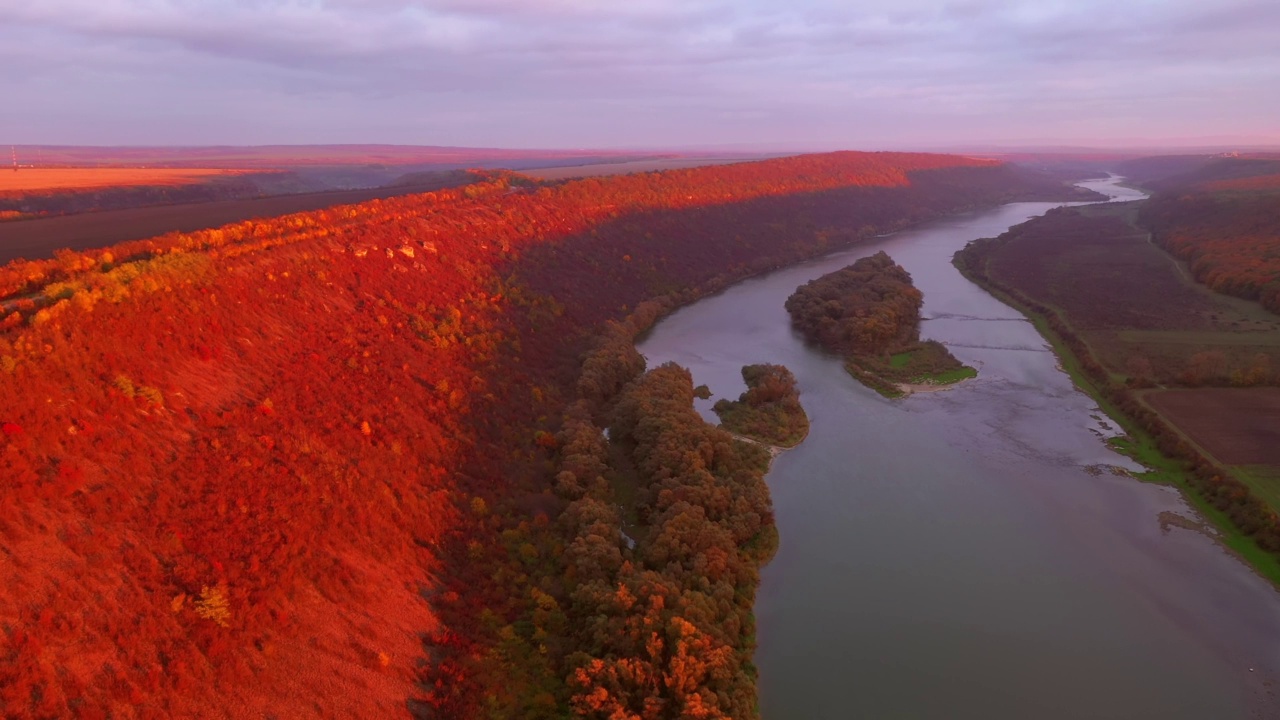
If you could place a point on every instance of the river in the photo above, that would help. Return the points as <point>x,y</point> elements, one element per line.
<point>957,554</point>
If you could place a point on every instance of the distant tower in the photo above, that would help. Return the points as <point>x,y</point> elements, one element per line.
<point>13,150</point>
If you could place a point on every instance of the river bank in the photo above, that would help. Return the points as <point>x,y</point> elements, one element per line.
<point>948,554</point>
<point>1149,438</point>
<point>912,388</point>
<point>774,450</point>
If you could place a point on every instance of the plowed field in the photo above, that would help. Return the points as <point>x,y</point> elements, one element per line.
<point>1238,426</point>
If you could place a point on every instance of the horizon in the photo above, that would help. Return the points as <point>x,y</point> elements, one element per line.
<point>567,74</point>
<point>1152,146</point>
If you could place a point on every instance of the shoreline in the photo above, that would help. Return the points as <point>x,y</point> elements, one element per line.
<point>1160,468</point>
<point>774,450</point>
<point>909,389</point>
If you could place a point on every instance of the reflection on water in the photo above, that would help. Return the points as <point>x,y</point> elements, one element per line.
<point>959,554</point>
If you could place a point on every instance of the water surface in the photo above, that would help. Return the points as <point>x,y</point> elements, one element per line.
<point>956,554</point>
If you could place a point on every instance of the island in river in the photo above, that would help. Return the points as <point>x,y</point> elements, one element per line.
<point>769,412</point>
<point>869,313</point>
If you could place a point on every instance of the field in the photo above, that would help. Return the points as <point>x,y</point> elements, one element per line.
<point>46,180</point>
<point>1238,426</point>
<point>39,237</point>
<point>1138,313</point>
<point>1134,304</point>
<point>1263,480</point>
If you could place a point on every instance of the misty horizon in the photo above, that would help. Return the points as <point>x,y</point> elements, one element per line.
<point>804,76</point>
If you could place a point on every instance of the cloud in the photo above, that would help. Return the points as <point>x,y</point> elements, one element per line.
<point>575,72</point>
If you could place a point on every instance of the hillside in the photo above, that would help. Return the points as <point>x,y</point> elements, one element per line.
<point>249,468</point>
<point>31,236</point>
<point>50,180</point>
<point>1226,226</point>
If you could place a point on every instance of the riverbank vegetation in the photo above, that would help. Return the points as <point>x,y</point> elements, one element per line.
<point>869,313</point>
<point>1143,338</point>
<point>769,411</point>
<point>662,626</point>
<point>251,467</point>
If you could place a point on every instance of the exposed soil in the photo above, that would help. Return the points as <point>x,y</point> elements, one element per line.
<point>1238,426</point>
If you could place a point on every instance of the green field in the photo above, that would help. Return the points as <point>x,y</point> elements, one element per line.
<point>1263,480</point>
<point>925,363</point>
<point>950,376</point>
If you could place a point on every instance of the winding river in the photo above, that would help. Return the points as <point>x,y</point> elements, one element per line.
<point>959,554</point>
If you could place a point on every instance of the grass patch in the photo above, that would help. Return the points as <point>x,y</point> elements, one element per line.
<point>1263,480</point>
<point>872,380</point>
<point>949,377</point>
<point>922,363</point>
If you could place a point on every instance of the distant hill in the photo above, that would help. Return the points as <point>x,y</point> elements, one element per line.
<point>273,156</point>
<point>1165,172</point>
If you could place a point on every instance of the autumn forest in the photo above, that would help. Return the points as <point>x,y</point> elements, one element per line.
<point>402,457</point>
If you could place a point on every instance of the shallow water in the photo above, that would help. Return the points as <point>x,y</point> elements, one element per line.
<point>949,555</point>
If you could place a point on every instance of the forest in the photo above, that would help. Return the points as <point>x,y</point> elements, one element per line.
<point>249,469</point>
<point>869,313</point>
<point>1227,231</point>
<point>669,632</point>
<point>769,411</point>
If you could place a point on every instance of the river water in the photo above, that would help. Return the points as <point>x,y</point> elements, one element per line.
<point>957,554</point>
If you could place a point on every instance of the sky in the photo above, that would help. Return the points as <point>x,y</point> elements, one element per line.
<point>640,74</point>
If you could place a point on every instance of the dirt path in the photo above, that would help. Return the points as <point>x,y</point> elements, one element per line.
<point>1177,264</point>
